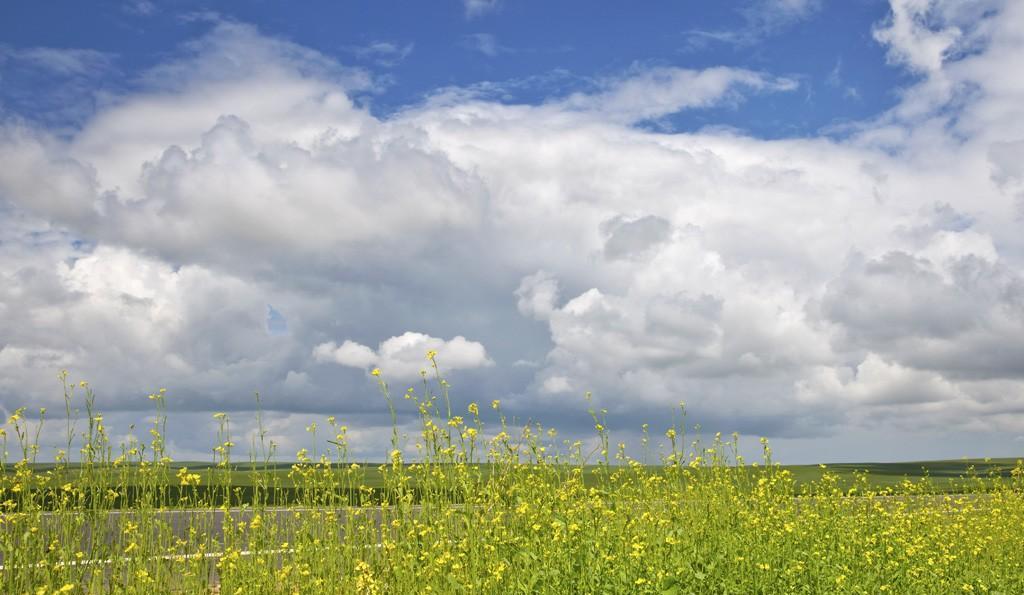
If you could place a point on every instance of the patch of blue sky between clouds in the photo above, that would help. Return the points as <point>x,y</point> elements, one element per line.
<point>524,49</point>
<point>277,324</point>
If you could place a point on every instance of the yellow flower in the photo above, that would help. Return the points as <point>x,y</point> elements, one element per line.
<point>474,409</point>
<point>495,404</point>
<point>187,478</point>
<point>431,355</point>
<point>375,372</point>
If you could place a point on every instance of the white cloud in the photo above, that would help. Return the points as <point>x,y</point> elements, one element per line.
<point>875,382</point>
<point>349,353</point>
<point>787,287</point>
<point>953,47</point>
<point>917,35</point>
<point>555,385</point>
<point>127,322</point>
<point>655,92</point>
<point>404,356</point>
<point>638,93</point>
<point>877,392</point>
<point>536,295</point>
<point>261,149</point>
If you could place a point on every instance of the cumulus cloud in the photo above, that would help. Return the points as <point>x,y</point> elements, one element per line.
<point>954,48</point>
<point>127,322</point>
<point>912,41</point>
<point>964,322</point>
<point>537,294</point>
<point>261,149</point>
<point>924,34</point>
<point>632,238</point>
<point>349,353</point>
<point>875,382</point>
<point>404,356</point>
<point>788,287</point>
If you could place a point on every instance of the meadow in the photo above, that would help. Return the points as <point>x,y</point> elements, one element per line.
<point>482,506</point>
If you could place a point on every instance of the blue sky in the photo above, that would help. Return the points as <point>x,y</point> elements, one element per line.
<point>800,217</point>
<point>533,49</point>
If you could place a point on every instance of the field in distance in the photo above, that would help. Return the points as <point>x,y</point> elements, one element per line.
<point>946,475</point>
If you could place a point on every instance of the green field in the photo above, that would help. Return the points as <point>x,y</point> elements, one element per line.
<point>946,476</point>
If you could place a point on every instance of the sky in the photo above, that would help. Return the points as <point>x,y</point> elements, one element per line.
<point>802,218</point>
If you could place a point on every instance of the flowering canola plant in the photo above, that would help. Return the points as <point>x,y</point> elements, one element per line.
<point>483,507</point>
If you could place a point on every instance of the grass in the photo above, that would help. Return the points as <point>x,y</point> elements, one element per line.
<point>488,508</point>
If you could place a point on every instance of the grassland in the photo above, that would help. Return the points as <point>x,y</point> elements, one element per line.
<point>488,508</point>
